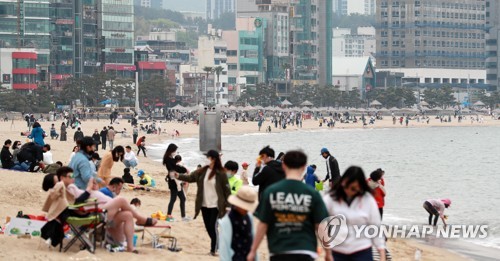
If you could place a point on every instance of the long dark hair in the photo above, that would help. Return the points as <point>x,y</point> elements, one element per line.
<point>116,150</point>
<point>351,175</point>
<point>16,145</point>
<point>217,167</point>
<point>168,153</point>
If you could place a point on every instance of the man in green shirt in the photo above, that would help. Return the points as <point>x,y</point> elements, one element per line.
<point>289,213</point>
<point>235,183</point>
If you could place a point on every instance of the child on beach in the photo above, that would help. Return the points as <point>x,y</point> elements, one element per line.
<point>311,178</point>
<point>135,203</point>
<point>236,228</point>
<point>145,180</point>
<point>127,177</point>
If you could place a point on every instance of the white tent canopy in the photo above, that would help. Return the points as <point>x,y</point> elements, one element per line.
<point>375,103</point>
<point>306,103</point>
<point>286,103</point>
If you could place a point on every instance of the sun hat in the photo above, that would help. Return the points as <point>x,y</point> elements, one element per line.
<point>245,198</point>
<point>324,150</point>
<point>446,201</point>
<point>140,173</point>
<point>244,164</point>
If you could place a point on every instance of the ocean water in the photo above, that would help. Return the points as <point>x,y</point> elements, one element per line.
<point>460,163</point>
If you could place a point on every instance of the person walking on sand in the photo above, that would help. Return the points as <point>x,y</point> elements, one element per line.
<point>97,139</point>
<point>236,228</point>
<point>377,185</point>
<point>104,137</point>
<point>211,196</point>
<point>141,145</point>
<point>244,173</point>
<point>135,134</point>
<point>63,136</point>
<point>351,198</point>
<point>289,213</point>
<point>111,137</point>
<point>267,171</point>
<point>435,208</point>
<point>176,189</point>
<point>78,135</point>
<point>332,168</point>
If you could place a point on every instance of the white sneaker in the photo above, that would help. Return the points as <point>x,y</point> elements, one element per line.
<point>186,219</point>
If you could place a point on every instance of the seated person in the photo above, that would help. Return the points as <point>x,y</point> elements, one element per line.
<point>127,177</point>
<point>145,180</point>
<point>114,187</point>
<point>47,155</point>
<point>120,215</point>
<point>52,168</point>
<point>8,160</point>
<point>53,133</point>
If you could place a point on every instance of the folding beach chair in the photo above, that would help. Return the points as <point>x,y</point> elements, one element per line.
<point>85,228</point>
<point>156,236</point>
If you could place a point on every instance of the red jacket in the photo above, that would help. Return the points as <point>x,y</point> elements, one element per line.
<point>141,140</point>
<point>378,191</point>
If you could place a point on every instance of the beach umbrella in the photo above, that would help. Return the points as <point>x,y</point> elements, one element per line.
<point>305,108</point>
<point>178,107</point>
<point>424,103</point>
<point>249,108</point>
<point>394,109</point>
<point>108,101</point>
<point>375,103</point>
<point>258,107</point>
<point>383,109</point>
<point>306,103</point>
<point>466,110</point>
<point>479,104</point>
<point>286,103</point>
<point>437,108</point>
<point>360,110</point>
<point>269,108</point>
<point>232,108</point>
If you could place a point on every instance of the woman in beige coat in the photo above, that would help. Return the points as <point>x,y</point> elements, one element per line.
<point>107,163</point>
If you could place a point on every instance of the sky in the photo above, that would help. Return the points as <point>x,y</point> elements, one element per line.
<point>185,5</point>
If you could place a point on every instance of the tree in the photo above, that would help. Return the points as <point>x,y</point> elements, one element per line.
<point>208,70</point>
<point>262,94</point>
<point>218,70</point>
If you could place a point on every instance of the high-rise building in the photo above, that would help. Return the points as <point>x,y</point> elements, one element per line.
<point>311,41</point>
<point>215,8</point>
<point>347,44</point>
<point>25,25</point>
<point>447,34</point>
<point>492,43</point>
<point>116,28</point>
<point>370,7</point>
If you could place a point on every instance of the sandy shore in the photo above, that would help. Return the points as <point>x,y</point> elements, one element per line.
<point>22,191</point>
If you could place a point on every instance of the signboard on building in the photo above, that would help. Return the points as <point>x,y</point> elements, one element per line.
<point>6,78</point>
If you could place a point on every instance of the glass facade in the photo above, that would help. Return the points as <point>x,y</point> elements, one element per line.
<point>117,30</point>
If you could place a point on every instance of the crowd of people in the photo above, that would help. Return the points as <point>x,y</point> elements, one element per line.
<point>288,204</point>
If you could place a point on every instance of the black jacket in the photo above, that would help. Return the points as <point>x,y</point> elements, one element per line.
<point>270,174</point>
<point>78,136</point>
<point>6,158</point>
<point>104,135</point>
<point>97,138</point>
<point>334,174</point>
<point>173,167</point>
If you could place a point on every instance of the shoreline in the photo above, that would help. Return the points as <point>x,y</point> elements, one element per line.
<point>22,191</point>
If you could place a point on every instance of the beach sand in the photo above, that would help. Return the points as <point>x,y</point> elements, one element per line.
<point>22,191</point>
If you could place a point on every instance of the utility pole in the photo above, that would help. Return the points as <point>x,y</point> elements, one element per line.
<point>137,109</point>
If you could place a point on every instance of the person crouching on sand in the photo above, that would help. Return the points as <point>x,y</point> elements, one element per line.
<point>435,207</point>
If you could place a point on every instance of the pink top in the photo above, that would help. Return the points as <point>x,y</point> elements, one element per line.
<point>438,204</point>
<point>76,192</point>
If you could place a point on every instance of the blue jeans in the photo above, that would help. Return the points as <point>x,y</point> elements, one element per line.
<point>21,166</point>
<point>130,163</point>
<point>362,255</point>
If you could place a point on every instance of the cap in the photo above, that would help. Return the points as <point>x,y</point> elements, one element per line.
<point>244,164</point>
<point>140,173</point>
<point>212,154</point>
<point>446,201</point>
<point>324,150</point>
<point>245,198</point>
